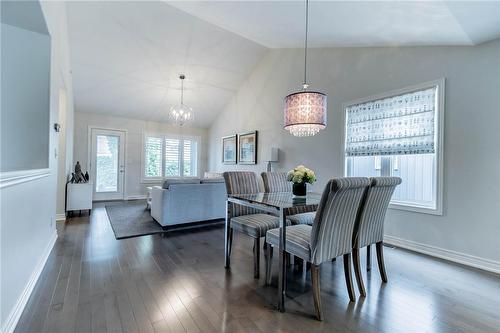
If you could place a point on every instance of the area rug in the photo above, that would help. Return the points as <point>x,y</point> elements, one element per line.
<point>131,219</point>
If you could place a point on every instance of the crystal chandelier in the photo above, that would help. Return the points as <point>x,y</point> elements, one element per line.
<point>305,111</point>
<point>181,114</point>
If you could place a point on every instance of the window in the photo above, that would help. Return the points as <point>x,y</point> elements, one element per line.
<point>399,134</point>
<point>169,156</point>
<point>153,151</point>
<point>172,158</point>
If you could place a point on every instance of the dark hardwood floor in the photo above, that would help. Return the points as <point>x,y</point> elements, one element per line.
<point>177,283</point>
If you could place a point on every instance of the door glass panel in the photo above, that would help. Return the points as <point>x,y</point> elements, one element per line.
<point>107,163</point>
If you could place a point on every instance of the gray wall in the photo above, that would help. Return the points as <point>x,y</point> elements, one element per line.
<point>471,221</point>
<point>133,149</point>
<point>25,99</point>
<point>28,208</point>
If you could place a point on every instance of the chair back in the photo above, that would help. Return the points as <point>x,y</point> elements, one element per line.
<point>276,182</point>
<point>331,234</point>
<point>369,228</point>
<point>241,182</point>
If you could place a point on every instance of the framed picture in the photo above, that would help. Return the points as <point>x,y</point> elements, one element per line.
<point>229,150</point>
<point>247,152</point>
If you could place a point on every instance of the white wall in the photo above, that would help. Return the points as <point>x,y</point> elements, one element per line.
<point>471,221</point>
<point>133,149</point>
<point>28,209</point>
<point>65,151</point>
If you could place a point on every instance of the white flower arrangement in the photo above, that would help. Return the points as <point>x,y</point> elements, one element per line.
<point>301,174</point>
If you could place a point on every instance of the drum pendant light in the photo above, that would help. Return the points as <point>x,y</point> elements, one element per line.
<point>305,111</point>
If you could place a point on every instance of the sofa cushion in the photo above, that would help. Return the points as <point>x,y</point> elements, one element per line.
<point>172,181</point>
<point>212,180</point>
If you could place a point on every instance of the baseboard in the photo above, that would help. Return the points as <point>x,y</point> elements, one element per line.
<point>136,197</point>
<point>60,217</point>
<point>458,257</point>
<point>15,314</point>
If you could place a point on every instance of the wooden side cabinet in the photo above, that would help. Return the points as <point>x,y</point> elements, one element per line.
<point>79,197</point>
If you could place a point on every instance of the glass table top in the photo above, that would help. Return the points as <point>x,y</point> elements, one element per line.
<point>280,199</point>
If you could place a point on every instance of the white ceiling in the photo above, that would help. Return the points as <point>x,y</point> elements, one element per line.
<point>280,24</point>
<point>127,55</point>
<point>126,59</point>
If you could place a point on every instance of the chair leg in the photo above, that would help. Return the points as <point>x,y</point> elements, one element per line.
<point>348,276</point>
<point>380,260</point>
<point>230,240</point>
<point>256,258</point>
<point>315,278</point>
<point>269,263</point>
<point>287,258</point>
<point>357,271</point>
<point>368,258</point>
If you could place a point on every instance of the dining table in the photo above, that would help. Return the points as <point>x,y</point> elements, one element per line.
<point>280,204</point>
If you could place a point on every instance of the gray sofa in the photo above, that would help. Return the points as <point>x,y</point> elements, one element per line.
<point>181,201</point>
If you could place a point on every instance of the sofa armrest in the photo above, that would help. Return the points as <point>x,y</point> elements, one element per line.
<point>157,203</point>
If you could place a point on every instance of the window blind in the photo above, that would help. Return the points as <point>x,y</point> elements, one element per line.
<point>172,158</point>
<point>153,156</point>
<point>169,156</point>
<point>187,158</point>
<point>396,125</point>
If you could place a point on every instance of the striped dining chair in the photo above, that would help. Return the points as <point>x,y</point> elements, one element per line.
<point>329,237</point>
<point>369,228</point>
<point>276,182</point>
<point>248,221</point>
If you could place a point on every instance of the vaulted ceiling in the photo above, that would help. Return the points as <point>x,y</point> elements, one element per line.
<point>127,55</point>
<point>280,24</point>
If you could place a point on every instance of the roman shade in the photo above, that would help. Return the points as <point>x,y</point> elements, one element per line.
<point>397,125</point>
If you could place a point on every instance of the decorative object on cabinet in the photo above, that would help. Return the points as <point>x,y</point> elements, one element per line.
<point>78,176</point>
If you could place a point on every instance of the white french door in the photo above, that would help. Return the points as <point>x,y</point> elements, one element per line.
<point>107,163</point>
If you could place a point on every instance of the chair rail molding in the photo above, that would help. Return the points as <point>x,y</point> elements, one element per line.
<point>10,323</point>
<point>450,255</point>
<point>17,177</point>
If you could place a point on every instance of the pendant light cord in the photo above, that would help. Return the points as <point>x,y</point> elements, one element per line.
<point>182,91</point>
<point>305,47</point>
